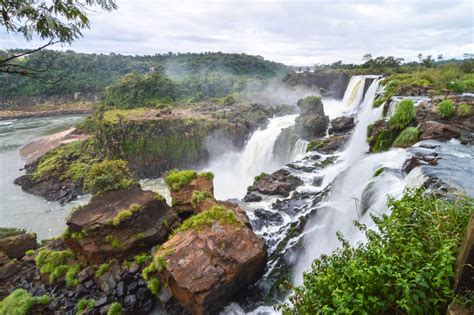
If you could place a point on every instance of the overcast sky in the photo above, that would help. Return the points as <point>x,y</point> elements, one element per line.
<point>293,32</point>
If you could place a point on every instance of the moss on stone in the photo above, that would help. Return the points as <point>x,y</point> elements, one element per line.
<point>384,140</point>
<point>108,175</point>
<point>103,268</point>
<point>124,214</point>
<point>55,264</point>
<point>77,236</point>
<point>154,285</point>
<point>408,137</point>
<point>199,196</point>
<point>147,271</point>
<point>84,306</point>
<point>206,218</point>
<point>142,259</point>
<point>207,175</point>
<point>113,241</point>
<point>20,302</point>
<point>115,309</point>
<point>178,179</point>
<point>327,161</point>
<point>159,197</point>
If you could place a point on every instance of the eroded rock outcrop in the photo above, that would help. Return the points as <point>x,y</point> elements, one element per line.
<point>119,223</point>
<point>280,182</point>
<point>342,124</point>
<point>205,266</point>
<point>312,122</point>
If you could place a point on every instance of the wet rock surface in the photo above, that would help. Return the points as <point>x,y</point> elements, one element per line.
<point>105,231</point>
<point>312,121</point>
<point>342,124</point>
<point>281,182</point>
<point>182,199</point>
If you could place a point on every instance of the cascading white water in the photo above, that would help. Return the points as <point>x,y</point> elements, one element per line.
<point>354,92</point>
<point>299,150</point>
<point>350,188</point>
<point>234,171</point>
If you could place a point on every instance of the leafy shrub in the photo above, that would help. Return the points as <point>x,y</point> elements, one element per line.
<point>445,109</point>
<point>207,175</point>
<point>199,196</point>
<point>20,302</point>
<point>56,264</point>
<point>154,285</point>
<point>142,259</point>
<point>103,268</point>
<point>408,137</point>
<point>108,175</point>
<point>6,232</point>
<point>84,305</point>
<point>206,218</point>
<point>178,179</point>
<point>464,110</point>
<point>113,241</point>
<point>115,309</point>
<point>406,267</point>
<point>404,114</point>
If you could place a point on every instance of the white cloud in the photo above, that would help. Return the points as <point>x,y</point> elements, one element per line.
<point>293,32</point>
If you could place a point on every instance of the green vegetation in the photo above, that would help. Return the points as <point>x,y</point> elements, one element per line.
<point>405,267</point>
<point>124,214</point>
<point>199,196</point>
<point>108,175</point>
<point>117,115</point>
<point>84,305</point>
<point>77,236</point>
<point>260,176</point>
<point>445,109</point>
<point>207,175</point>
<point>379,171</point>
<point>133,79</point>
<point>327,161</point>
<point>113,241</point>
<point>408,137</point>
<point>404,114</point>
<point>103,268</point>
<point>70,160</point>
<point>136,90</point>
<point>147,271</point>
<point>384,140</point>
<point>206,218</point>
<point>178,179</point>
<point>142,259</point>
<point>464,110</point>
<point>115,309</point>
<point>20,302</point>
<point>6,232</point>
<point>154,285</point>
<point>30,252</point>
<point>57,264</point>
<point>159,197</point>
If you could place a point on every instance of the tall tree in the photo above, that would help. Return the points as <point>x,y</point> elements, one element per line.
<point>53,21</point>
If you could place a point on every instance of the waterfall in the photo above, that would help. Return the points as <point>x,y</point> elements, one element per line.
<point>299,150</point>
<point>354,92</point>
<point>353,185</point>
<point>234,171</point>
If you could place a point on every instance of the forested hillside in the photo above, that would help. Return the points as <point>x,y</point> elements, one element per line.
<point>195,75</point>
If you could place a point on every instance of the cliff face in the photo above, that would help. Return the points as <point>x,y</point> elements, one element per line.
<point>333,83</point>
<point>151,141</point>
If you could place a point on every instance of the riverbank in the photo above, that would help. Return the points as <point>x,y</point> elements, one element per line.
<point>47,110</point>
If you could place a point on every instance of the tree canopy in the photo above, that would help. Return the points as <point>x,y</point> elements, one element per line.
<point>55,21</point>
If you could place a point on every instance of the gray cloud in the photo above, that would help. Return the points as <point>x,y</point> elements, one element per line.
<point>295,32</point>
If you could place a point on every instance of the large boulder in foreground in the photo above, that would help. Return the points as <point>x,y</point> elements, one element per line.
<point>119,223</point>
<point>312,122</point>
<point>211,257</point>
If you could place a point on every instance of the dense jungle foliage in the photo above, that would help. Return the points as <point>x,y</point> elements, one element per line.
<point>195,75</point>
<point>405,267</point>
